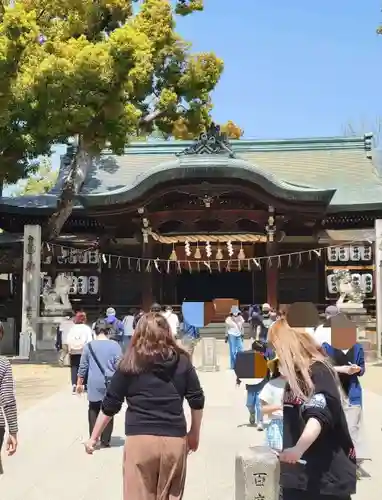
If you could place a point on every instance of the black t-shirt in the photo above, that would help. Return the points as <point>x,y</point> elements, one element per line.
<point>155,397</point>
<point>330,461</point>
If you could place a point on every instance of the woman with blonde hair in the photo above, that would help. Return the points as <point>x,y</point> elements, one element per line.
<point>318,457</point>
<point>154,376</point>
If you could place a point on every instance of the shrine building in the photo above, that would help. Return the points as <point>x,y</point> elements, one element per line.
<point>175,220</point>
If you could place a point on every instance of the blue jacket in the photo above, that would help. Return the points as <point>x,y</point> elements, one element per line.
<point>350,383</point>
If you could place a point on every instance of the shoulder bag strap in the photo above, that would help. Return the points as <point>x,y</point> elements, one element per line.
<point>93,355</point>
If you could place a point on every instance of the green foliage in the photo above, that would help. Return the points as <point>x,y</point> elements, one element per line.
<point>39,183</point>
<point>98,71</point>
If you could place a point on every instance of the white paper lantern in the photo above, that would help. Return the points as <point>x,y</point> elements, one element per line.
<point>73,257</point>
<point>366,253</point>
<point>356,279</point>
<point>331,283</point>
<point>82,257</point>
<point>332,254</point>
<point>82,285</point>
<point>367,283</point>
<point>343,254</point>
<point>355,253</point>
<point>74,288</point>
<point>93,285</point>
<point>93,257</point>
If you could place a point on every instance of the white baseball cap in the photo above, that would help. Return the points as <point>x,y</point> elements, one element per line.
<point>110,311</point>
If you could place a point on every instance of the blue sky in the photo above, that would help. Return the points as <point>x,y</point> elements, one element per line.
<point>293,69</point>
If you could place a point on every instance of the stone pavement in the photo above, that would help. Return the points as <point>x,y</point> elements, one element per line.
<point>51,462</point>
<point>35,382</point>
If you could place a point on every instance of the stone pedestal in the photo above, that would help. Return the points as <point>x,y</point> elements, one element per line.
<point>257,474</point>
<point>31,289</point>
<point>47,332</point>
<point>209,355</point>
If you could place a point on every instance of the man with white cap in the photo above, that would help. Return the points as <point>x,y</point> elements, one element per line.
<point>115,325</point>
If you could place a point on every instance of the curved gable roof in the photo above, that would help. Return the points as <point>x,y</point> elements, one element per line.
<point>197,168</point>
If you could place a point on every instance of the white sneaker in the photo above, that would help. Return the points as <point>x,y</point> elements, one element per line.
<point>260,426</point>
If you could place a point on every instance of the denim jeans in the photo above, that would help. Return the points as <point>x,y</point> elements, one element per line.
<point>235,345</point>
<point>253,404</point>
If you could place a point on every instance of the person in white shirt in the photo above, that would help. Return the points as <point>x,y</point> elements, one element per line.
<point>172,319</point>
<point>64,328</point>
<point>128,330</point>
<point>78,336</point>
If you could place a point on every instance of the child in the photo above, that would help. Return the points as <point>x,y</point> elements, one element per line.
<point>271,398</point>
<point>254,386</point>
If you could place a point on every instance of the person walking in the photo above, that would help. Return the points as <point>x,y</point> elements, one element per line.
<point>318,460</point>
<point>62,340</point>
<point>78,336</point>
<point>253,385</point>
<point>155,375</point>
<point>128,330</point>
<point>98,363</point>
<point>116,328</point>
<point>8,408</point>
<point>350,366</point>
<point>172,319</point>
<point>234,334</point>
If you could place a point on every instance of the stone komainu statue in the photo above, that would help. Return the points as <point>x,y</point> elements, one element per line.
<point>349,290</point>
<point>57,297</point>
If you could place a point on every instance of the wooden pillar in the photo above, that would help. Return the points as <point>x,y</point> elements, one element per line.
<point>147,276</point>
<point>272,275</point>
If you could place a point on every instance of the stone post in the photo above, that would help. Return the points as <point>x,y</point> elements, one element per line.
<point>30,308</point>
<point>209,355</point>
<point>257,474</point>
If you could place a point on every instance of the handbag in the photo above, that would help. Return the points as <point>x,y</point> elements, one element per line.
<point>101,369</point>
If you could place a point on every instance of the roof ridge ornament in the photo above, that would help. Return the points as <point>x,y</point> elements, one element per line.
<point>212,141</point>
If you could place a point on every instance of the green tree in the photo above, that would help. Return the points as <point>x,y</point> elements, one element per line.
<point>98,73</point>
<point>39,183</point>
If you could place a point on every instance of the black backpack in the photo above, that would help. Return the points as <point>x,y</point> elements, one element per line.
<point>114,333</point>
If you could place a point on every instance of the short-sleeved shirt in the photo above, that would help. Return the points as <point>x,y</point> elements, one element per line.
<point>273,394</point>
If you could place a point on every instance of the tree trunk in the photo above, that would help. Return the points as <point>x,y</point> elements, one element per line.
<point>79,167</point>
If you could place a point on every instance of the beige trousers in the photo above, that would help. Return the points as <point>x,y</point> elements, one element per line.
<point>154,468</point>
<point>356,430</point>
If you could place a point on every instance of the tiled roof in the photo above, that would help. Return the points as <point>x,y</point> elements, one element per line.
<point>342,164</point>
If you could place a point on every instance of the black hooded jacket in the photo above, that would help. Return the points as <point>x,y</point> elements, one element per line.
<point>330,461</point>
<point>155,397</point>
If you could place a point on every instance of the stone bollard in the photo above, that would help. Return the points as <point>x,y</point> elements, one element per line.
<point>209,356</point>
<point>257,474</point>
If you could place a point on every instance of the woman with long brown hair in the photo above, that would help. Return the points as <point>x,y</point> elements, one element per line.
<point>154,376</point>
<point>318,458</point>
